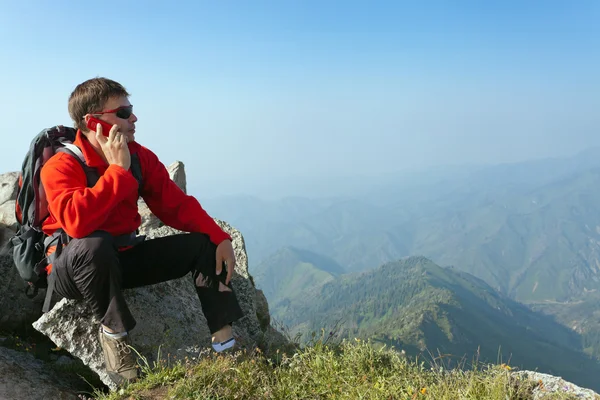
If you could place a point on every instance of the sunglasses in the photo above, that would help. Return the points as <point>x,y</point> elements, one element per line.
<point>121,112</point>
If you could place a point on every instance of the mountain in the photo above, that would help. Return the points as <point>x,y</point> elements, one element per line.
<point>419,306</point>
<point>526,232</point>
<point>436,213</point>
<point>582,316</point>
<point>541,245</point>
<point>530,230</point>
<point>293,272</point>
<point>346,229</point>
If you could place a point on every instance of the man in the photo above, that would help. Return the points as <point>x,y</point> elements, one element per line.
<point>104,255</point>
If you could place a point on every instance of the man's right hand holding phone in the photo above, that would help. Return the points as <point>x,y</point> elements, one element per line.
<point>114,146</point>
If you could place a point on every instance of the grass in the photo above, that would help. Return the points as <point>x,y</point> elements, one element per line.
<point>350,369</point>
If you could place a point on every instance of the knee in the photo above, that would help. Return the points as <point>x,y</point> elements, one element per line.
<point>202,281</point>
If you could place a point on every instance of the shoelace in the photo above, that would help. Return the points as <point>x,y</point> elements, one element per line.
<point>123,352</point>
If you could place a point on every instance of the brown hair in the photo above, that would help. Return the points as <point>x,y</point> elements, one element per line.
<point>90,96</point>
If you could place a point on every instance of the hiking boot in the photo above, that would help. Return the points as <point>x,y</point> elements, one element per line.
<point>120,362</point>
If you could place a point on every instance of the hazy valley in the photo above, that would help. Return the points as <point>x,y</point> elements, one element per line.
<point>522,242</point>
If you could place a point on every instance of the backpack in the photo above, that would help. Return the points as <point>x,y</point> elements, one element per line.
<point>31,209</point>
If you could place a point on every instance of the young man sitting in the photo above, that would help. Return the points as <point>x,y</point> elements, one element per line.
<point>104,255</point>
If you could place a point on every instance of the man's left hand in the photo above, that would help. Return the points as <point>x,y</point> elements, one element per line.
<point>225,253</point>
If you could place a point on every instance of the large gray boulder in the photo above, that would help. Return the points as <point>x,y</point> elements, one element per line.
<point>168,314</point>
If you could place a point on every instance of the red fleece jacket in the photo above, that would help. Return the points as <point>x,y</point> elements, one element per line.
<point>111,205</point>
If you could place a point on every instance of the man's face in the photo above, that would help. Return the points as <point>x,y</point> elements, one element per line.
<point>126,126</point>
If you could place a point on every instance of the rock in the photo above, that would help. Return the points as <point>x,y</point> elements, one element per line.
<point>177,174</point>
<point>262,309</point>
<point>549,385</point>
<point>5,234</point>
<point>168,314</point>
<point>22,377</point>
<point>17,311</point>
<point>9,183</point>
<point>149,221</point>
<point>7,215</point>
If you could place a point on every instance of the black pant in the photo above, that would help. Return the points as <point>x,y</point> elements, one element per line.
<point>94,270</point>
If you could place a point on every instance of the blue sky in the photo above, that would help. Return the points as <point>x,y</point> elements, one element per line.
<point>267,91</point>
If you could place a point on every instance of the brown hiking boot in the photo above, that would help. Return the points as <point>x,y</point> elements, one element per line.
<point>119,359</point>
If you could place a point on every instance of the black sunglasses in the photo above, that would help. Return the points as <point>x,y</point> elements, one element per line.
<point>121,112</point>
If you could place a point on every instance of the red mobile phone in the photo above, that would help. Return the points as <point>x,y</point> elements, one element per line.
<point>93,123</point>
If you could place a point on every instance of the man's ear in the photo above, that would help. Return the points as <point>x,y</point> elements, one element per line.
<point>85,129</point>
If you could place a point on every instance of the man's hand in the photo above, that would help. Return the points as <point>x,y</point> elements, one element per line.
<point>225,253</point>
<point>114,147</point>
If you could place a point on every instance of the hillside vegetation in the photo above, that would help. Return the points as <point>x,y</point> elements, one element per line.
<point>415,305</point>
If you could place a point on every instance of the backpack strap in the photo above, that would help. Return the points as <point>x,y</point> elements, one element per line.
<point>136,170</point>
<point>58,238</point>
<point>92,174</point>
<point>49,291</point>
<point>74,150</point>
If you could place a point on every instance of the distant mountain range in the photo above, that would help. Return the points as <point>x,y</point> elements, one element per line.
<point>415,305</point>
<point>512,225</point>
<point>529,230</point>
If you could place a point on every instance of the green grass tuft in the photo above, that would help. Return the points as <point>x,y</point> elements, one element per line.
<point>352,369</point>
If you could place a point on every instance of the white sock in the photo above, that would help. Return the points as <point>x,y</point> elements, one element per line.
<point>224,345</point>
<point>114,335</point>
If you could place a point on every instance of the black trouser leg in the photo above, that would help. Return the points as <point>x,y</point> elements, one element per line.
<point>91,268</point>
<point>172,257</point>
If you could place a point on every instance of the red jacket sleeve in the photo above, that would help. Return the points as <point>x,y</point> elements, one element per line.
<point>79,209</point>
<point>171,205</point>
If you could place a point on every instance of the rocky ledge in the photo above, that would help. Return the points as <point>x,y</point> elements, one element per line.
<point>169,314</point>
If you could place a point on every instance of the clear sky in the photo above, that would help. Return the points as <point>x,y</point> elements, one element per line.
<point>249,91</point>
